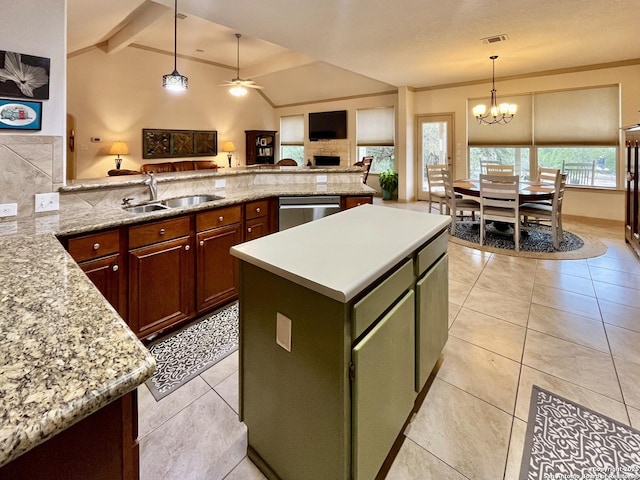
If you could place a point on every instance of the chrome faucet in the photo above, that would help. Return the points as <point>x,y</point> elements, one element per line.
<point>152,183</point>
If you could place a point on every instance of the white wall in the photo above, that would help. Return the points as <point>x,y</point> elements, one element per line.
<point>582,202</point>
<point>114,97</point>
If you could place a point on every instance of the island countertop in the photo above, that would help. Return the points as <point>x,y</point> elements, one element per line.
<point>339,255</point>
<point>66,353</point>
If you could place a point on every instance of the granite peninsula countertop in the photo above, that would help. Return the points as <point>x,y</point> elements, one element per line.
<point>66,352</point>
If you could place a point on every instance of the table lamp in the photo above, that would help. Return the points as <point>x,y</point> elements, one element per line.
<point>119,148</point>
<point>228,147</point>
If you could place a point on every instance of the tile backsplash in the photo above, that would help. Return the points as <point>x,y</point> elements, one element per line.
<point>29,164</point>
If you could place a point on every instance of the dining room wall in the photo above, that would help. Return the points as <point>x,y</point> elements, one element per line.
<point>585,202</point>
<point>113,97</point>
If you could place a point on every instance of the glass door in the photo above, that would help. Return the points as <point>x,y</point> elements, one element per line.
<point>435,147</point>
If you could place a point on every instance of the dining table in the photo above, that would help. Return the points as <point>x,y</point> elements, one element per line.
<point>530,191</point>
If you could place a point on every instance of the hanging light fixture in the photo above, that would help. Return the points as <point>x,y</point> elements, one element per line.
<point>496,114</point>
<point>173,80</point>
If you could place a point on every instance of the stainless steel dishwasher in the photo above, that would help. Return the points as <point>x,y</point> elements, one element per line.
<point>298,210</point>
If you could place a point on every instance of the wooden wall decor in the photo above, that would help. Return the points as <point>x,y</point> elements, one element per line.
<point>179,143</point>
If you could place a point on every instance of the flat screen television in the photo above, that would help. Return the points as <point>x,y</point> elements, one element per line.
<point>328,125</point>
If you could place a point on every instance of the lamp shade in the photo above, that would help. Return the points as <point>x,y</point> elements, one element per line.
<point>119,148</point>
<point>228,147</point>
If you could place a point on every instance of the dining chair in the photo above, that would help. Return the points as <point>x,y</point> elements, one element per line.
<point>286,162</point>
<point>499,202</point>
<point>456,204</point>
<point>485,163</point>
<point>579,173</point>
<point>435,181</point>
<point>547,175</point>
<point>548,213</point>
<point>493,169</point>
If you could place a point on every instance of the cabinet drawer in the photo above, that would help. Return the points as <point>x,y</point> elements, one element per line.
<point>350,202</point>
<point>95,245</point>
<point>218,218</point>
<point>158,231</point>
<point>430,253</point>
<point>367,310</point>
<point>256,209</point>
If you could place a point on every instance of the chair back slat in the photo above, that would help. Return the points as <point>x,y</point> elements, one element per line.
<point>499,170</point>
<point>547,175</point>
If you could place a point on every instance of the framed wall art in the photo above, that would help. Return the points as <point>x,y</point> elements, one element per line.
<point>178,143</point>
<point>19,115</point>
<point>24,76</point>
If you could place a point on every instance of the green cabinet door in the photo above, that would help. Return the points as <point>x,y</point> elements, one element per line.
<point>383,387</point>
<point>432,318</point>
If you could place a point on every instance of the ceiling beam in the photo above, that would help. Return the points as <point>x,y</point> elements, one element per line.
<point>135,24</point>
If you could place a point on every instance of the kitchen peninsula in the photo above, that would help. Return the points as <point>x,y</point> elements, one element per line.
<point>68,358</point>
<point>341,322</point>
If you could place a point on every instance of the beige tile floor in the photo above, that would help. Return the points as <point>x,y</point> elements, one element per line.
<point>571,326</point>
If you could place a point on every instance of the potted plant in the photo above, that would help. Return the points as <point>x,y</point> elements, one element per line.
<point>389,183</point>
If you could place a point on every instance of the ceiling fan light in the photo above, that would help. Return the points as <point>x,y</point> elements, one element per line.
<point>175,82</point>
<point>238,91</point>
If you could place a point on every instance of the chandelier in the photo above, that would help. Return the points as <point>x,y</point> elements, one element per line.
<point>496,114</point>
<point>173,80</point>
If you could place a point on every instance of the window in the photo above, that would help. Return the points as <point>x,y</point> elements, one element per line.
<point>576,131</point>
<point>292,138</point>
<point>375,133</point>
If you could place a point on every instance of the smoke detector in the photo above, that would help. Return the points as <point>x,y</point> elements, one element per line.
<point>495,39</point>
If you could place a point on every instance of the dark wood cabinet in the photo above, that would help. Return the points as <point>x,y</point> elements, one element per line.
<point>632,216</point>
<point>260,146</point>
<point>354,201</point>
<point>102,446</point>
<point>161,279</point>
<point>216,270</point>
<point>259,219</point>
<point>99,256</point>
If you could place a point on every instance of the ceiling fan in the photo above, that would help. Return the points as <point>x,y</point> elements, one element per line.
<point>238,85</point>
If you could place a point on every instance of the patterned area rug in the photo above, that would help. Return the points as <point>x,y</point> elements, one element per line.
<point>567,441</point>
<point>188,352</point>
<point>535,242</point>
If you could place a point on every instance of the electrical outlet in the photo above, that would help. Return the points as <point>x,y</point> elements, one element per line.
<point>220,183</point>
<point>47,202</point>
<point>321,179</point>
<point>8,210</point>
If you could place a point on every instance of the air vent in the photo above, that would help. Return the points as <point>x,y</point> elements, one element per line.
<point>495,39</point>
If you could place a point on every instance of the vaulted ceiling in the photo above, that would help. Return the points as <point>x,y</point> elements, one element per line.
<point>354,47</point>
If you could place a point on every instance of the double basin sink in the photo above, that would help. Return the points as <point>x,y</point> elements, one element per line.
<point>172,203</point>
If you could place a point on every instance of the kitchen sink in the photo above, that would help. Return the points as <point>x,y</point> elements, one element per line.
<point>151,207</point>
<point>190,200</point>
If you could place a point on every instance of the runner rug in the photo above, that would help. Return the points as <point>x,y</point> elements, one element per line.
<point>188,352</point>
<point>565,440</point>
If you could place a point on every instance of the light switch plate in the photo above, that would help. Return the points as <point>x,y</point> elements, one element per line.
<point>321,179</point>
<point>220,183</point>
<point>283,331</point>
<point>47,202</point>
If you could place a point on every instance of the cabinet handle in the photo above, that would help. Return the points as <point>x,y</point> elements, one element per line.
<point>220,218</point>
<point>115,268</point>
<point>96,246</point>
<point>258,210</point>
<point>162,231</point>
<point>187,247</point>
<point>249,229</point>
<point>202,243</point>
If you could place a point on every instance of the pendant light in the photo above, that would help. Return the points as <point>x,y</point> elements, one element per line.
<point>496,114</point>
<point>173,80</point>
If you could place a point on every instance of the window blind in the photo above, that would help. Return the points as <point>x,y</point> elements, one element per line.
<point>292,130</point>
<point>375,127</point>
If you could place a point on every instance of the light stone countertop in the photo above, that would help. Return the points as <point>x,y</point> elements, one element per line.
<point>340,255</point>
<point>66,352</point>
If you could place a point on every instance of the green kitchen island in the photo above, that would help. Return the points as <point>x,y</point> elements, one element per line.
<point>341,323</point>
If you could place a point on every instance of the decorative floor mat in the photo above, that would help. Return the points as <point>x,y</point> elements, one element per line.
<point>188,352</point>
<point>565,440</point>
